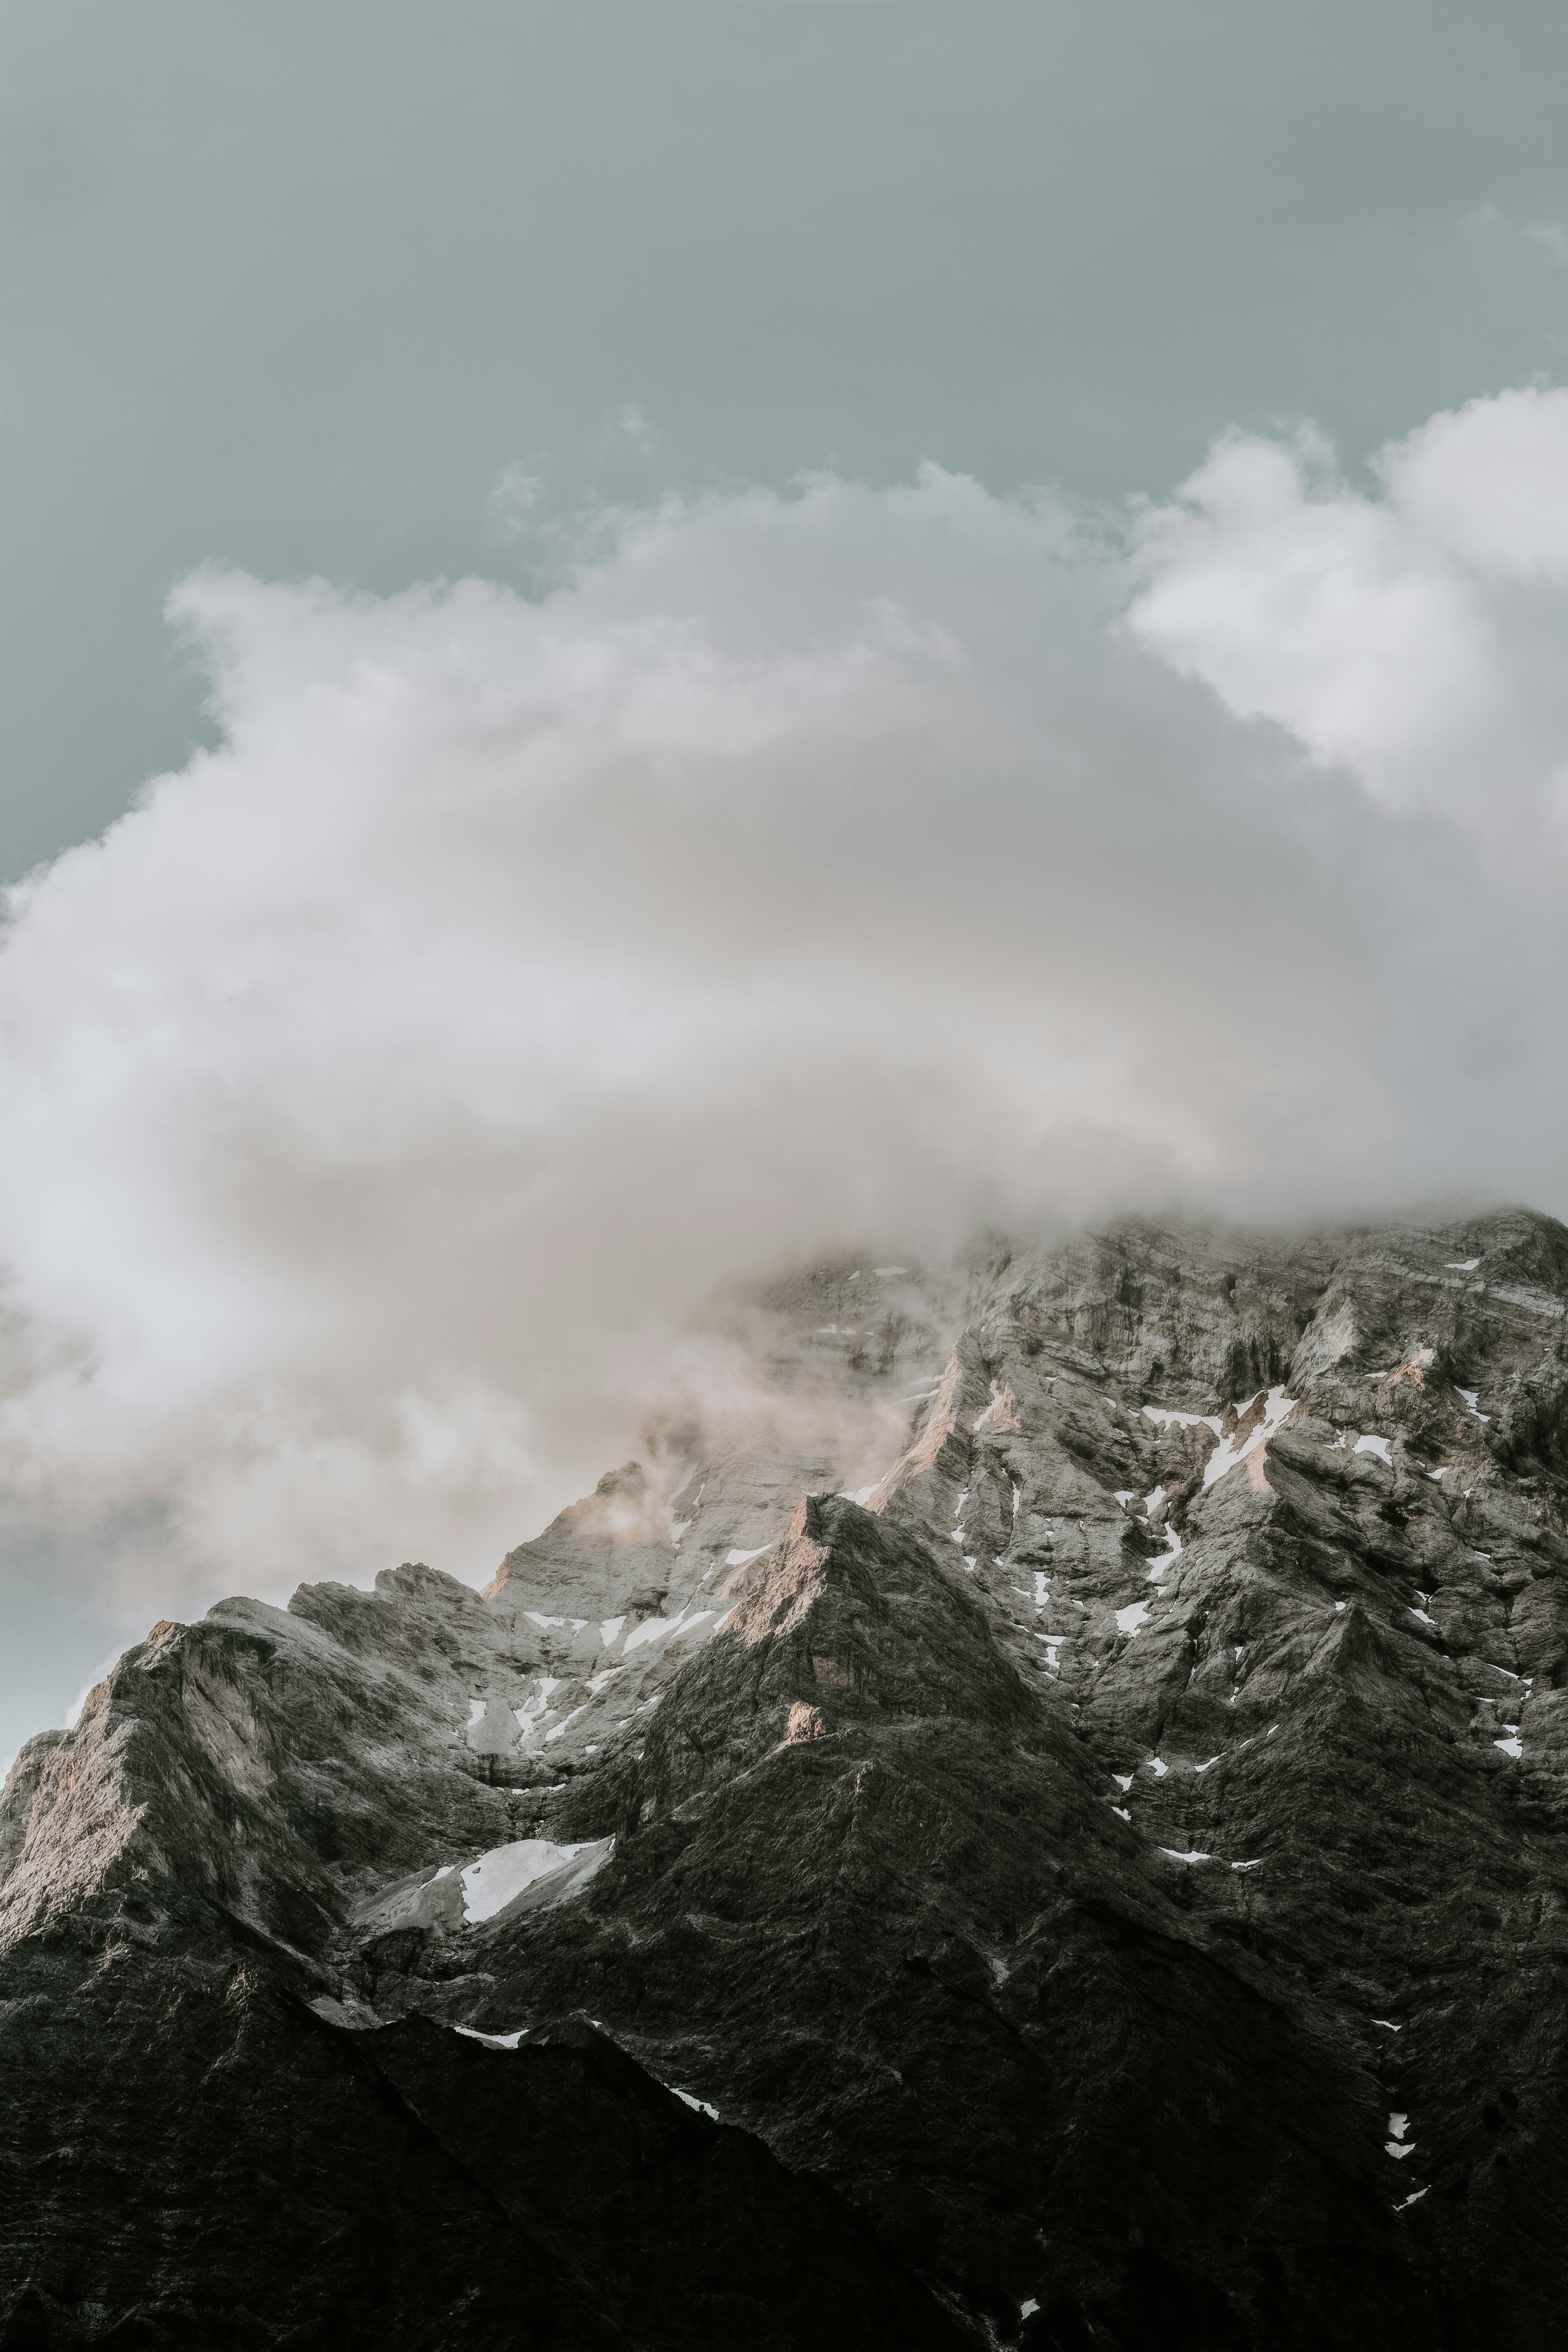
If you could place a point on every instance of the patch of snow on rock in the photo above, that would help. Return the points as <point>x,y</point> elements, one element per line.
<point>1228,1453</point>
<point>500,1876</point>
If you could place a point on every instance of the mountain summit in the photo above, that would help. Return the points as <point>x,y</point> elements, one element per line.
<point>1101,1885</point>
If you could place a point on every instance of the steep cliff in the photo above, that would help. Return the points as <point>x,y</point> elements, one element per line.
<point>1100,1883</point>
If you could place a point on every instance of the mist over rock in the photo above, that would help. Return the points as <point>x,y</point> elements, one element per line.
<point>1097,1881</point>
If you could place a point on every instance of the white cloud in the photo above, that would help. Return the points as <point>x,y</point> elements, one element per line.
<point>381,1088</point>
<point>1413,632</point>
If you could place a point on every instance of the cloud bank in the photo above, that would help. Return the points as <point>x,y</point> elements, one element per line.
<point>381,1089</point>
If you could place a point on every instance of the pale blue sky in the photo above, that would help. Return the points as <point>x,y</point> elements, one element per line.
<point>293,286</point>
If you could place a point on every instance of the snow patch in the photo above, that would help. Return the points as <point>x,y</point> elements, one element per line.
<point>1227,1453</point>
<point>1129,1619</point>
<point>1155,1572</point>
<point>701,2105</point>
<point>1378,1446</point>
<point>652,1629</point>
<point>736,1559</point>
<point>500,1876</point>
<point>533,1710</point>
<point>1194,1856</point>
<point>982,1417</point>
<point>1461,1264</point>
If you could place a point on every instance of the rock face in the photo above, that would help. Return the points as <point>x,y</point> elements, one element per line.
<point>1101,1884</point>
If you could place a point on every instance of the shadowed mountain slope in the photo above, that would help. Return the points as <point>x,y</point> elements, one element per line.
<point>1107,1878</point>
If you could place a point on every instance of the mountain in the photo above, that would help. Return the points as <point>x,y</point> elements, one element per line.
<point>1101,1883</point>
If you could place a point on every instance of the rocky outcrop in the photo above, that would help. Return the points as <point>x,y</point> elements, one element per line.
<point>1106,1877</point>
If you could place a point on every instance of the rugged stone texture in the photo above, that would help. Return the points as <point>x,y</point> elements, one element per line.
<point>237,2171</point>
<point>1120,1858</point>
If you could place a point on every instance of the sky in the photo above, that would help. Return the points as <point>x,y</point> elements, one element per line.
<point>637,636</point>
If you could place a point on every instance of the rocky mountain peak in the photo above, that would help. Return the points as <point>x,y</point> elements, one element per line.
<point>1096,1879</point>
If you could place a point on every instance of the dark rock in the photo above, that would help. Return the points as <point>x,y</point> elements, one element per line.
<point>1112,1881</point>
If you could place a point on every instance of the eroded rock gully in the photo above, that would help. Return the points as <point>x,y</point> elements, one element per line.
<point>1102,1885</point>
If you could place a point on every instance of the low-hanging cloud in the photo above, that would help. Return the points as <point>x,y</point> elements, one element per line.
<point>382,1087</point>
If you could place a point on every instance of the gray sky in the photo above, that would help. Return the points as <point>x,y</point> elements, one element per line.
<point>291,287</point>
<point>873,860</point>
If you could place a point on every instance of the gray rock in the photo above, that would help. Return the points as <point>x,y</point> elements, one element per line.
<point>1120,1859</point>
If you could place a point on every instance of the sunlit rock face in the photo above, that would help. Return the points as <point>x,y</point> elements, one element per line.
<point>1097,1879</point>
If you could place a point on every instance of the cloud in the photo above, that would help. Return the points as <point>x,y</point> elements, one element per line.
<point>514,497</point>
<point>1413,632</point>
<point>382,1090</point>
<point>1547,236</point>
